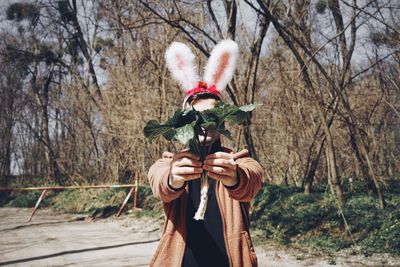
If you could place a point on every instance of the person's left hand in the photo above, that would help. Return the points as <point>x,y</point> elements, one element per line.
<point>222,166</point>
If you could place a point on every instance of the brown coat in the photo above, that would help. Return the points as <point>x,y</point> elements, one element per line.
<point>238,244</point>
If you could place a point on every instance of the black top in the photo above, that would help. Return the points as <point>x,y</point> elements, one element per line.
<point>205,245</point>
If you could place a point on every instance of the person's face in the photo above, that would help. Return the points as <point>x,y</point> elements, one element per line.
<point>201,105</point>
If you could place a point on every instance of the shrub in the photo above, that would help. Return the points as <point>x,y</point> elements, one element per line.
<point>150,205</point>
<point>284,214</point>
<point>28,199</point>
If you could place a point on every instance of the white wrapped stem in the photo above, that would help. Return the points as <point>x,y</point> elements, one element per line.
<point>201,211</point>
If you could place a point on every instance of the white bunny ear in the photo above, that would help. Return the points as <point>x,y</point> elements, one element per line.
<point>181,63</point>
<point>221,64</point>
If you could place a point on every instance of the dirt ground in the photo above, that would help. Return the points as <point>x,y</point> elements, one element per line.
<point>54,239</point>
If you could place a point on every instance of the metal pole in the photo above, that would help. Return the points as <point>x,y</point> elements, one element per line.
<point>136,191</point>
<point>37,204</point>
<point>45,188</point>
<point>125,201</point>
<point>5,189</point>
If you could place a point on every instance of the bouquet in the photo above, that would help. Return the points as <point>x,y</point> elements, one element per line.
<point>186,126</point>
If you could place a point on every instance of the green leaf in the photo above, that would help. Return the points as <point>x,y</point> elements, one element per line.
<point>182,118</point>
<point>208,125</point>
<point>189,112</point>
<point>248,108</point>
<point>175,118</point>
<point>186,125</point>
<point>237,117</point>
<point>225,132</point>
<point>184,134</point>
<point>153,129</point>
<point>210,120</point>
<point>169,135</point>
<point>193,147</point>
<point>222,110</point>
<point>234,114</point>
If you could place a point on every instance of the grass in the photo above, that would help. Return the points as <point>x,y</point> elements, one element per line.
<point>286,215</point>
<point>95,203</point>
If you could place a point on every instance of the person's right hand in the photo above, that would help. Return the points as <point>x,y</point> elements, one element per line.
<point>185,166</point>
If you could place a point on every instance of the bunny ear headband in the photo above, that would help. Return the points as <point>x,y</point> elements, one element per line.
<point>218,71</point>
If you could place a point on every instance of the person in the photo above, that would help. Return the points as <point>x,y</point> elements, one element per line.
<point>222,238</point>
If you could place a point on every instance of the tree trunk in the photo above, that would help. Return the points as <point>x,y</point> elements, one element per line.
<point>333,176</point>
<point>231,14</point>
<point>46,136</point>
<point>249,139</point>
<point>310,173</point>
<point>366,166</point>
<point>5,161</point>
<point>334,179</point>
<point>5,170</point>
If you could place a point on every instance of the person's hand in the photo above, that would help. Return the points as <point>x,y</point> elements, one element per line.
<point>222,166</point>
<point>185,166</point>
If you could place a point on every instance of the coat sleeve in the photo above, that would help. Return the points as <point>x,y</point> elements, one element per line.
<point>158,178</point>
<point>250,180</point>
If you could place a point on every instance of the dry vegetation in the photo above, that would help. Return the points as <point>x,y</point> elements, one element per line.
<point>79,79</point>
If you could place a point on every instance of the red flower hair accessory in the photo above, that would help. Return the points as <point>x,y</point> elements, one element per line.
<point>202,87</point>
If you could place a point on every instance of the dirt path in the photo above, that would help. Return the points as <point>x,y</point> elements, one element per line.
<point>54,239</point>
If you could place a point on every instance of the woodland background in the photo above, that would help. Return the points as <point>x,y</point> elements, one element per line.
<point>80,78</point>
